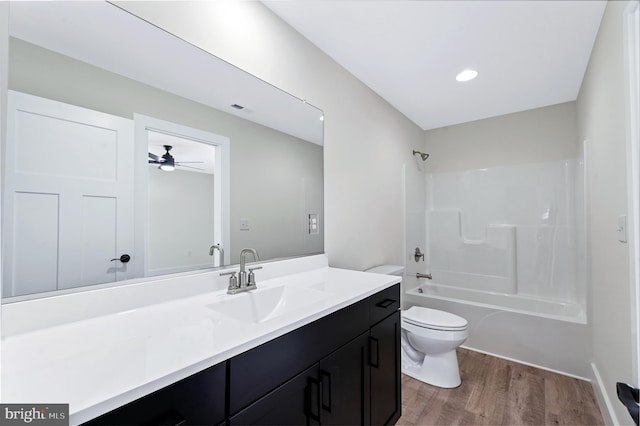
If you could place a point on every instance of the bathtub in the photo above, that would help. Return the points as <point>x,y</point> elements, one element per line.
<point>545,333</point>
<point>548,308</point>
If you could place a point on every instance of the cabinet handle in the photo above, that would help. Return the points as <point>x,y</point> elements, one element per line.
<point>373,341</point>
<point>385,303</point>
<point>318,399</point>
<point>326,375</point>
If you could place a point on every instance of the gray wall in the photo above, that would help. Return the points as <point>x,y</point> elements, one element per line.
<point>535,136</point>
<point>601,122</point>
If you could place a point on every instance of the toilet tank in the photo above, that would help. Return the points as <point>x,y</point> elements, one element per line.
<point>396,270</point>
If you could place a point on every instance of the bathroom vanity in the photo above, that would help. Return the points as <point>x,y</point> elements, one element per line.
<point>326,351</point>
<point>340,369</point>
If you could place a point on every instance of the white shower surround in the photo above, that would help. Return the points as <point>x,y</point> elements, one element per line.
<point>509,229</point>
<point>516,268</point>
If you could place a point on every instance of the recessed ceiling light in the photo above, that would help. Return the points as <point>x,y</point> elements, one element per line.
<point>467,75</point>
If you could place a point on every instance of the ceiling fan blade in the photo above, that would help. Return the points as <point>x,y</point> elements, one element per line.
<point>153,157</point>
<point>193,162</point>
<point>189,167</point>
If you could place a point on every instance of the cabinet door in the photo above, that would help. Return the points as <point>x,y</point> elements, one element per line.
<point>297,402</point>
<point>345,384</point>
<point>260,370</point>
<point>384,360</point>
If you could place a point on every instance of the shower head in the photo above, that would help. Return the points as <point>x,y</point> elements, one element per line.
<point>422,155</point>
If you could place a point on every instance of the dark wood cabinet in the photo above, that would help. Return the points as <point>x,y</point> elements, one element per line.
<point>344,378</point>
<point>297,402</point>
<point>197,400</point>
<point>258,371</point>
<point>357,383</point>
<point>386,377</point>
<point>343,369</point>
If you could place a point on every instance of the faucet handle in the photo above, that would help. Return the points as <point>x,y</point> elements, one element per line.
<point>252,276</point>
<point>233,280</point>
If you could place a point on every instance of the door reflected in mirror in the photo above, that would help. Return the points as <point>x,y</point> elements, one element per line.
<point>186,198</point>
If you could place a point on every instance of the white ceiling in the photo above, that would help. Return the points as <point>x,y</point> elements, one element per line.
<point>529,54</point>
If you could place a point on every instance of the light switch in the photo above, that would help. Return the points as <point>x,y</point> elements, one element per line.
<point>314,225</point>
<point>244,224</point>
<point>622,229</point>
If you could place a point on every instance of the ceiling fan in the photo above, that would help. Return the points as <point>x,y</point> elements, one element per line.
<point>167,163</point>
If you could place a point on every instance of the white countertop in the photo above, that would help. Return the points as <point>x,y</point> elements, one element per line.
<point>103,362</point>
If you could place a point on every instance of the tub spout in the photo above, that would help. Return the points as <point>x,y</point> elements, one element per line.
<point>427,276</point>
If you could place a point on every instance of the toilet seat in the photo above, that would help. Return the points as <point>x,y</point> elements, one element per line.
<point>433,319</point>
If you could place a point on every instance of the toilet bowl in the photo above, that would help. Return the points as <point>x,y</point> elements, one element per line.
<point>429,341</point>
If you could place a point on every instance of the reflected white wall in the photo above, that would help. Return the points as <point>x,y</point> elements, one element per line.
<point>179,237</point>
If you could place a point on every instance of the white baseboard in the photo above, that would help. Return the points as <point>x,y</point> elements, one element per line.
<point>606,407</point>
<point>527,363</point>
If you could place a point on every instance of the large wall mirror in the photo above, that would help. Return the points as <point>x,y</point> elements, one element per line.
<point>131,153</point>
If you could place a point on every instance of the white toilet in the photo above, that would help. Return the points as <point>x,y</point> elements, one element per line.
<point>429,341</point>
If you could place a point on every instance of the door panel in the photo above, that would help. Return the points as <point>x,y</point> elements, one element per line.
<point>99,219</point>
<point>36,242</point>
<point>83,160</point>
<point>60,140</point>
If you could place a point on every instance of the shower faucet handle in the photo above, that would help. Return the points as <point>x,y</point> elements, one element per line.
<point>418,255</point>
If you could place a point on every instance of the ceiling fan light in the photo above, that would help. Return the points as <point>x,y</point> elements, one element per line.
<point>167,167</point>
<point>467,75</point>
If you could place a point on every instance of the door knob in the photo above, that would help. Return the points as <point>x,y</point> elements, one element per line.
<point>124,258</point>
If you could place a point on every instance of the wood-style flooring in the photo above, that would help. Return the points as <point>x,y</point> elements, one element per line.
<point>499,392</point>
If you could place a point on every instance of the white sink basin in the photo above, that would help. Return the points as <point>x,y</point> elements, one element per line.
<point>261,305</point>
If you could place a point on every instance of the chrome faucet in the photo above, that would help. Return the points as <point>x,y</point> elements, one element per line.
<point>427,276</point>
<point>220,249</point>
<point>244,281</point>
<point>242,275</point>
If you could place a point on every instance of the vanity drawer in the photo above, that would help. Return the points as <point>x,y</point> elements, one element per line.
<point>197,400</point>
<point>384,303</point>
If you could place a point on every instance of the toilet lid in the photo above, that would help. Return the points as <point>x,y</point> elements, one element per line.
<point>433,318</point>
